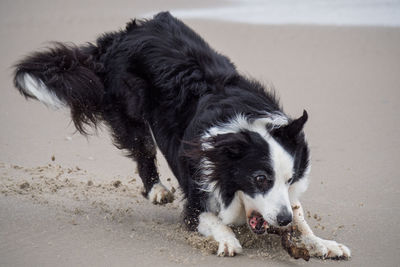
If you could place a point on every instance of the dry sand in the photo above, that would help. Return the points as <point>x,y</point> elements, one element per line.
<point>61,204</point>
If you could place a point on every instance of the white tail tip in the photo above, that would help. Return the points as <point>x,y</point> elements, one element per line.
<point>36,88</point>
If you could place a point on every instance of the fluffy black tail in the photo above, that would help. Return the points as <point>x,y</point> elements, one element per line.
<point>64,76</point>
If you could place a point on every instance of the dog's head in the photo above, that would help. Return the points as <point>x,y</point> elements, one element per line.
<point>259,163</point>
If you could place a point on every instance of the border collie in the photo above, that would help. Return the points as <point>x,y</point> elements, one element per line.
<point>237,156</point>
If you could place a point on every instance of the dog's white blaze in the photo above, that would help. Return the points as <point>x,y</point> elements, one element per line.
<point>36,88</point>
<point>278,195</point>
<point>282,161</point>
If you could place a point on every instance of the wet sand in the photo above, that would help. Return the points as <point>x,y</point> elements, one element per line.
<point>72,213</point>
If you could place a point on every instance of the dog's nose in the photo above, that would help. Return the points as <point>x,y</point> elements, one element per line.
<point>284,217</point>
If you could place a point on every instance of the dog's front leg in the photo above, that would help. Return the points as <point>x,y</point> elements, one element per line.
<point>316,246</point>
<point>211,225</point>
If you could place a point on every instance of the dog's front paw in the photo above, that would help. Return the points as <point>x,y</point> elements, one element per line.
<point>229,247</point>
<point>325,249</point>
<point>160,195</point>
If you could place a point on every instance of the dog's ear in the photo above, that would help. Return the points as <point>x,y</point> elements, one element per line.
<point>293,129</point>
<point>232,145</point>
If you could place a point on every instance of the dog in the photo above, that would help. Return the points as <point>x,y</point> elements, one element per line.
<point>238,158</point>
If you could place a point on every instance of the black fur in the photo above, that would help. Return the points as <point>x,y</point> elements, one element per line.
<point>159,74</point>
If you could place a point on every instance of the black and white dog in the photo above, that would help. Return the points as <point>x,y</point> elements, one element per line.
<point>238,158</point>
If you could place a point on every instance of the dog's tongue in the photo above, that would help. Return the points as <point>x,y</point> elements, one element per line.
<point>257,223</point>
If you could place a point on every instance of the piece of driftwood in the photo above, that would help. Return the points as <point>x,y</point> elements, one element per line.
<point>290,239</point>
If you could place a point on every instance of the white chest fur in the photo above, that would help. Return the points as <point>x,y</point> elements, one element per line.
<point>233,214</point>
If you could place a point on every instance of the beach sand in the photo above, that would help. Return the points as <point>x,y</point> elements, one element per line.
<point>68,200</point>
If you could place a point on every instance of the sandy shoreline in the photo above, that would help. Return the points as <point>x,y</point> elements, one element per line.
<point>346,78</point>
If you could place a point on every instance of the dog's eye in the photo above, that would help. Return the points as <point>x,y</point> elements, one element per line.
<point>261,179</point>
<point>290,180</point>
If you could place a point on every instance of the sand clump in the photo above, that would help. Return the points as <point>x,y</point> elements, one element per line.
<point>24,185</point>
<point>117,183</point>
<point>207,245</point>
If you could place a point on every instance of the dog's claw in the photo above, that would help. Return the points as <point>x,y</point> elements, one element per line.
<point>160,195</point>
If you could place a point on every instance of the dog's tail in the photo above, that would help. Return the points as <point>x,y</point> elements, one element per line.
<point>64,76</point>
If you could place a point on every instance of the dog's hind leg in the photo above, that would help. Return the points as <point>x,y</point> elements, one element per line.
<point>135,137</point>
